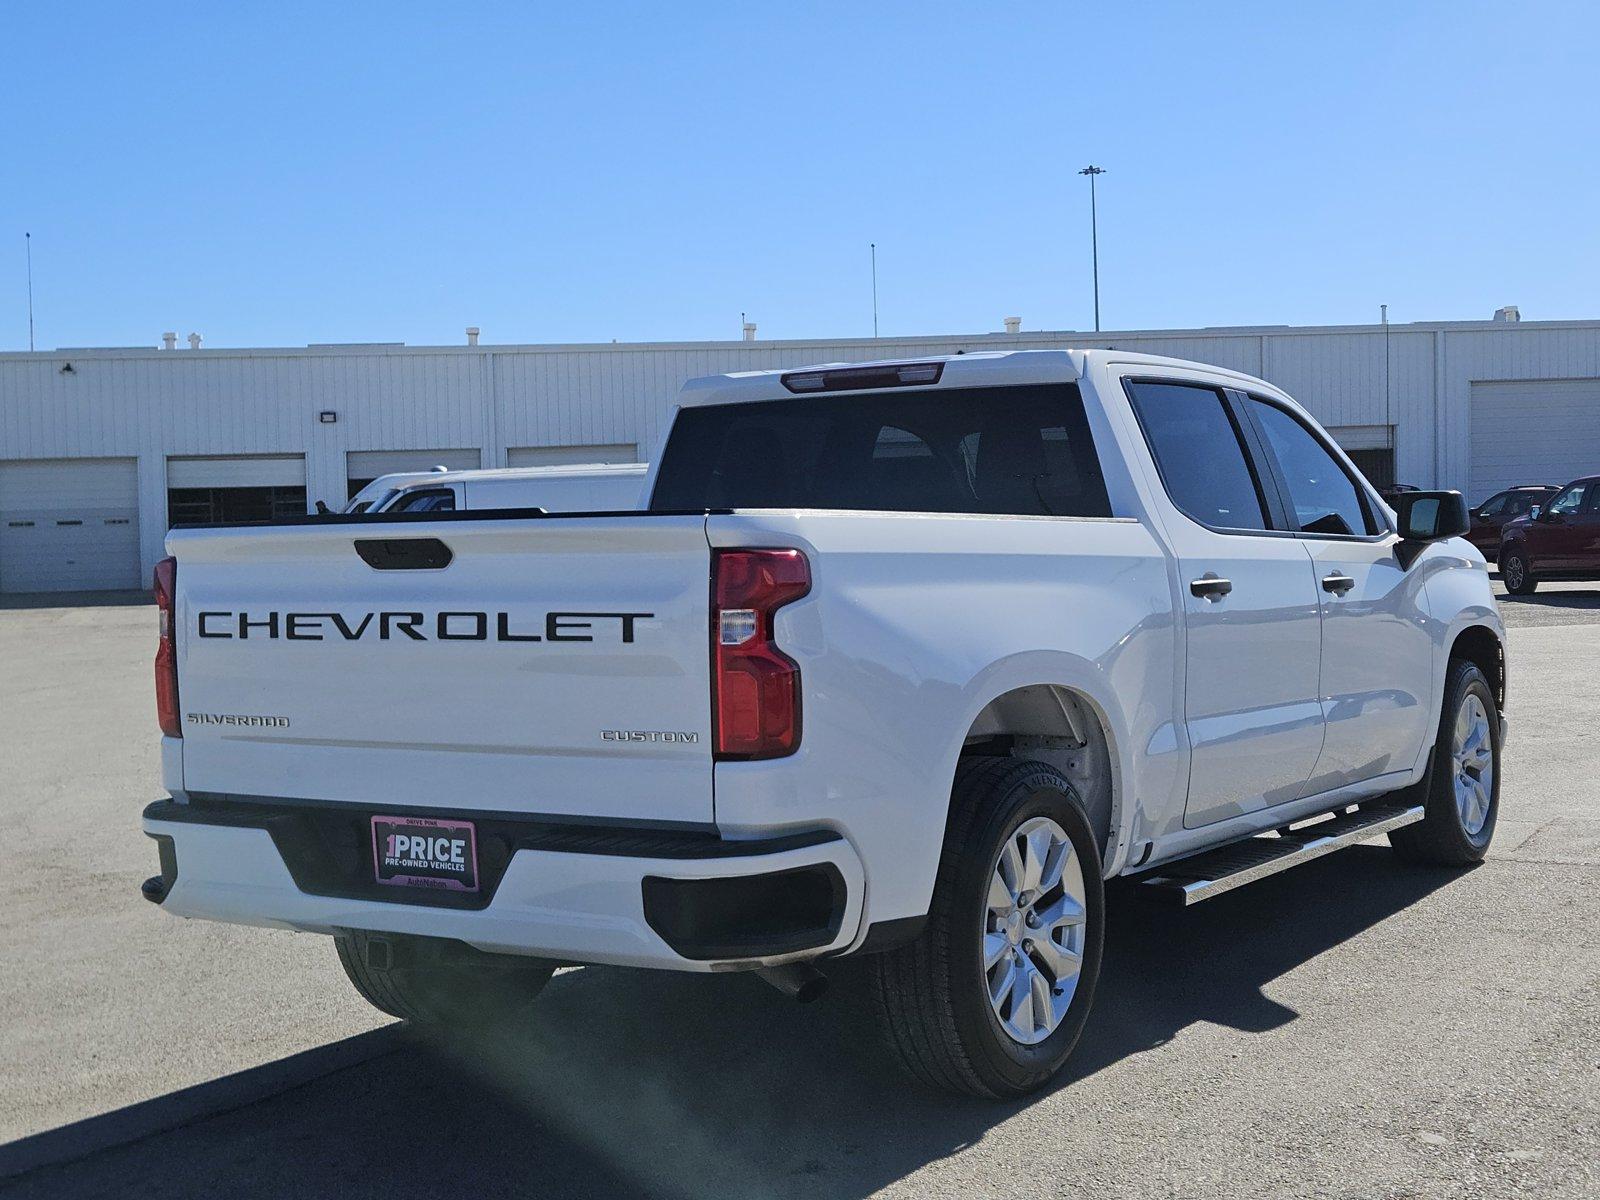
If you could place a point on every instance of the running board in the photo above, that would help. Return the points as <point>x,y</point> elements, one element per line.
<point>1191,880</point>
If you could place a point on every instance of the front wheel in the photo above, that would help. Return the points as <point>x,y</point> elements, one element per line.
<point>433,981</point>
<point>992,996</point>
<point>1516,573</point>
<point>1463,800</point>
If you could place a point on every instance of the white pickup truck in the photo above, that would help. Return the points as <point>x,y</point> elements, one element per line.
<point>903,660</point>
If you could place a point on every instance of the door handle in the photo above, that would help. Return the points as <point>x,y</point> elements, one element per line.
<point>1337,584</point>
<point>1210,587</point>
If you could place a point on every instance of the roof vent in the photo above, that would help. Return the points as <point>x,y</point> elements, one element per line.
<point>1013,324</point>
<point>194,341</point>
<point>749,331</point>
<point>472,335</point>
<point>169,341</point>
<point>1509,313</point>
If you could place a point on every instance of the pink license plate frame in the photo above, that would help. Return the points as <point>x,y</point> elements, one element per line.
<point>425,852</point>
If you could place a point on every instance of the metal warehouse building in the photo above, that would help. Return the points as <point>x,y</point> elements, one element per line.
<point>102,449</point>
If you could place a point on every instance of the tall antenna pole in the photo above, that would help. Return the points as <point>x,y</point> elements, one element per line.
<point>1094,238</point>
<point>874,247</point>
<point>1383,314</point>
<point>27,239</point>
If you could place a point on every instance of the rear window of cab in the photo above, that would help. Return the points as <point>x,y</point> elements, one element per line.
<point>1018,450</point>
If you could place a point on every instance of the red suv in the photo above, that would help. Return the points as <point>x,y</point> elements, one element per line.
<point>1561,542</point>
<point>1492,515</point>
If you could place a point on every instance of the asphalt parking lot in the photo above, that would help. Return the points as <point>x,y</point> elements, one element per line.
<point>1354,1028</point>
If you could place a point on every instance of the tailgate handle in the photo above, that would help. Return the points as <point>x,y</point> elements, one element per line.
<point>404,554</point>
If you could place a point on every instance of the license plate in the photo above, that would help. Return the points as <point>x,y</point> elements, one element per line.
<point>421,852</point>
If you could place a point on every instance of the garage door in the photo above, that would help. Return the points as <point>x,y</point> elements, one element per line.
<point>246,487</point>
<point>1533,431</point>
<point>1371,448</point>
<point>363,466</point>
<point>69,525</point>
<point>558,456</point>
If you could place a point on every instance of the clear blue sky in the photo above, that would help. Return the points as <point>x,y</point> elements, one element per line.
<point>589,171</point>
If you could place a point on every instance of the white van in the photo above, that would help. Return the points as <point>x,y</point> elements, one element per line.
<point>590,487</point>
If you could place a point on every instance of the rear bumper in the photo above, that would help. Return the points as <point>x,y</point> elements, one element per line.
<point>691,903</point>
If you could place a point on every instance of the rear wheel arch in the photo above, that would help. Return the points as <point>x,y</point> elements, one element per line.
<point>1065,727</point>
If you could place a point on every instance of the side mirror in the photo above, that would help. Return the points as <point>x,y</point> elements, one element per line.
<point>1533,513</point>
<point>1431,516</point>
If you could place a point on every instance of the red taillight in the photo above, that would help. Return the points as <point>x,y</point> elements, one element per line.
<point>756,687</point>
<point>166,591</point>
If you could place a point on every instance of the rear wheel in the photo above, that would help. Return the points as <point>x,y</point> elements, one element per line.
<point>992,996</point>
<point>1517,574</point>
<point>434,981</point>
<point>1463,799</point>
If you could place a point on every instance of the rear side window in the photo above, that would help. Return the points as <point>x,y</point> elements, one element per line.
<point>1023,451</point>
<point>1325,498</point>
<point>1200,454</point>
<point>1517,504</point>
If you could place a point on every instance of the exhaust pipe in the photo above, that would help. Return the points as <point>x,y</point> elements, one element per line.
<point>800,980</point>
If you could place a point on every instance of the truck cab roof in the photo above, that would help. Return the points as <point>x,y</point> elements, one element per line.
<point>985,368</point>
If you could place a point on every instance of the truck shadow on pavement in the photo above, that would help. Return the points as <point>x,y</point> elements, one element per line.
<point>645,1083</point>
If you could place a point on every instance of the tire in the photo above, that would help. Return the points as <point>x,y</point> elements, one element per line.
<point>435,981</point>
<point>933,995</point>
<point>1516,574</point>
<point>1461,808</point>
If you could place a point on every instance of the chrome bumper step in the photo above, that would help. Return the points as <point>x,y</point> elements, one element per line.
<point>1190,880</point>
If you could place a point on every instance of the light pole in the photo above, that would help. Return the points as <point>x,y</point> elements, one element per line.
<point>27,239</point>
<point>874,247</point>
<point>1094,238</point>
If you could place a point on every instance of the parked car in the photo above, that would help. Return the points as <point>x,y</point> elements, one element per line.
<point>590,487</point>
<point>1557,540</point>
<point>1490,517</point>
<point>904,661</point>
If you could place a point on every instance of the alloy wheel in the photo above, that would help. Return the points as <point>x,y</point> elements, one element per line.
<point>1513,572</point>
<point>1034,930</point>
<point>1472,764</point>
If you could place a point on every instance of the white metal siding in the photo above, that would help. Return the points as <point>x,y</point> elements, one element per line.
<point>1533,431</point>
<point>152,405</point>
<point>551,456</point>
<point>276,470</point>
<point>69,525</point>
<point>369,464</point>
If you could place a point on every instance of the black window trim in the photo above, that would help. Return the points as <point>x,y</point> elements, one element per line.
<point>1270,499</point>
<point>1370,510</point>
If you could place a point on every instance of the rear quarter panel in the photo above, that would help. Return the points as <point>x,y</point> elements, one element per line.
<point>913,625</point>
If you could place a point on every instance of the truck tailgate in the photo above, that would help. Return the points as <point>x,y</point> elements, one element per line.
<point>554,666</point>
